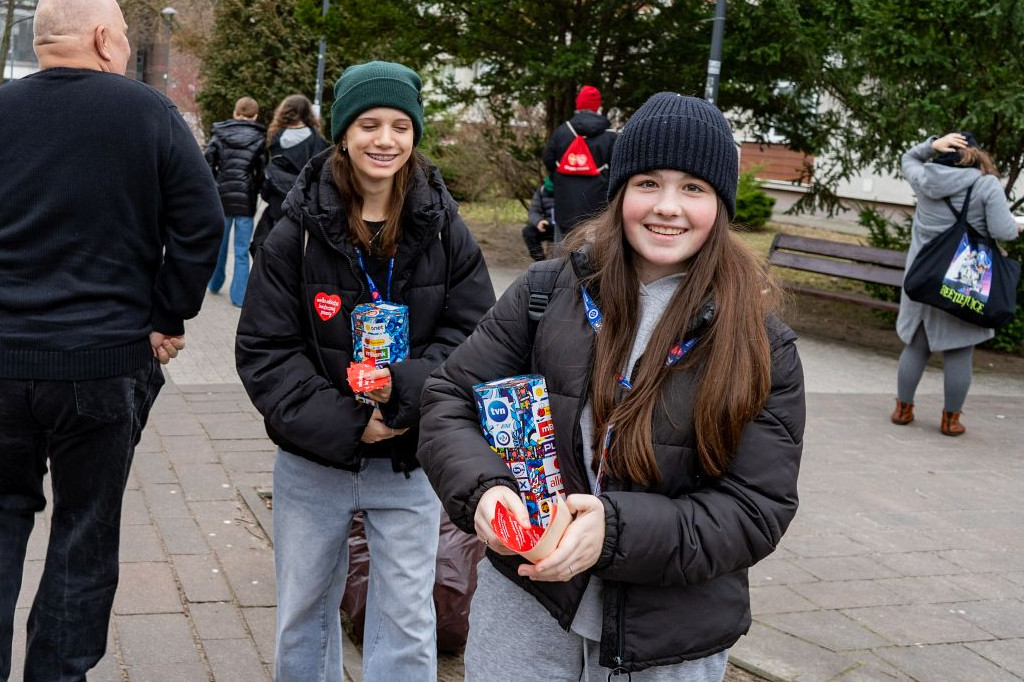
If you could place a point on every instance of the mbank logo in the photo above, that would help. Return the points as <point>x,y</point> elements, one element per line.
<point>497,411</point>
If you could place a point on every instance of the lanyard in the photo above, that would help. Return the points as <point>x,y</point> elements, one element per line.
<point>676,353</point>
<point>374,292</point>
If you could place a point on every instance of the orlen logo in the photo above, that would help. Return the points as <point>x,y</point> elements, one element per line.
<point>497,411</point>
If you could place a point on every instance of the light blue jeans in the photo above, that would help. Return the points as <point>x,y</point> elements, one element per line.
<point>240,276</point>
<point>313,509</point>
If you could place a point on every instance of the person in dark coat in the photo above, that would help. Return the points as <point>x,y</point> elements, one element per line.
<point>369,220</point>
<point>293,138</point>
<point>578,197</point>
<point>236,157</point>
<point>937,169</point>
<point>678,406</point>
<point>109,226</point>
<point>540,222</point>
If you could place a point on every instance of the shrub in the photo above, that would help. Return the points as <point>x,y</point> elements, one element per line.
<point>485,159</point>
<point>753,205</point>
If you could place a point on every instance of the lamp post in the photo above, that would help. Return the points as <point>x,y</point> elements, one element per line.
<point>320,58</point>
<point>715,60</point>
<point>168,14</point>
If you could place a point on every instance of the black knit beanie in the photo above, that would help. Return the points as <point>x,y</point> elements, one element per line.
<point>376,84</point>
<point>678,133</point>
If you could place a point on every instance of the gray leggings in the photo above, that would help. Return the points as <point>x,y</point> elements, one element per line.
<point>956,371</point>
<point>512,638</point>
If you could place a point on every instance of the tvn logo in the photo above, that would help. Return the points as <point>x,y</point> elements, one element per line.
<point>497,411</point>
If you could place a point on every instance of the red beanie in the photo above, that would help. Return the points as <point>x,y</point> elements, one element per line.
<point>589,98</point>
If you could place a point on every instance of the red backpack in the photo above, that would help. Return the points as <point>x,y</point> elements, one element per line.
<point>577,159</point>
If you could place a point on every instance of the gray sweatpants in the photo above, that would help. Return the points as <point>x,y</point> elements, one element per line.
<point>512,638</point>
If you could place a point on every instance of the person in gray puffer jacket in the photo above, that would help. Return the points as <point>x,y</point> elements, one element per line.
<point>937,169</point>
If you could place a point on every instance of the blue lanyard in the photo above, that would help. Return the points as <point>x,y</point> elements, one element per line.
<point>676,353</point>
<point>374,292</point>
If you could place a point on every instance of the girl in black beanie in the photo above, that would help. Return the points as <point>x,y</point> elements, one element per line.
<point>678,405</point>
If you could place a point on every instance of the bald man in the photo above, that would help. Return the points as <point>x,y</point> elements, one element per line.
<point>110,225</point>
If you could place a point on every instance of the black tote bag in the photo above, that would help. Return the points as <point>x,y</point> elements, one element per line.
<point>965,274</point>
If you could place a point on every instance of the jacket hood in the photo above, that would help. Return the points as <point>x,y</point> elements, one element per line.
<point>940,181</point>
<point>237,133</point>
<point>590,123</point>
<point>315,204</point>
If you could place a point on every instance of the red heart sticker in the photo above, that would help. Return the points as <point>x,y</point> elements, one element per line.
<point>327,305</point>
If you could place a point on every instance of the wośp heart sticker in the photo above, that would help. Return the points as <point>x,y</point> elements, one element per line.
<point>326,305</point>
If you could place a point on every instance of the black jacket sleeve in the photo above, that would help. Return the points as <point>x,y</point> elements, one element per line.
<point>732,523</point>
<point>536,211</point>
<point>194,224</point>
<point>471,294</point>
<point>452,449</point>
<point>212,153</point>
<point>284,383</point>
<point>551,155</point>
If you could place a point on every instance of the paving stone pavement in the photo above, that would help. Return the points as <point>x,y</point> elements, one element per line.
<point>905,561</point>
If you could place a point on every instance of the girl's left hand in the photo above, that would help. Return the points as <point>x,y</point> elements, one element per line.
<point>382,394</point>
<point>580,547</point>
<point>376,430</point>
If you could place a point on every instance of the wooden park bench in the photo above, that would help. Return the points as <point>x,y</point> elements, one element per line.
<point>836,259</point>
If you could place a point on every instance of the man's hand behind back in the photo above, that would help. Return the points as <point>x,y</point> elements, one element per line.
<point>165,348</point>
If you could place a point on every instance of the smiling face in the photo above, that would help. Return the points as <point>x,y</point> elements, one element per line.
<point>667,216</point>
<point>379,142</point>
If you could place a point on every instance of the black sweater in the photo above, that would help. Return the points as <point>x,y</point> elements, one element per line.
<point>109,224</point>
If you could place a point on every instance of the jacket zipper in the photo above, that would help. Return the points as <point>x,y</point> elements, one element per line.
<point>621,636</point>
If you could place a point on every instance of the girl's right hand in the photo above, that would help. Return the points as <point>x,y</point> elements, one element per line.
<point>485,514</point>
<point>950,143</point>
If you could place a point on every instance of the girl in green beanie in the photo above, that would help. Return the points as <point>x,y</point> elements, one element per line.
<point>368,221</point>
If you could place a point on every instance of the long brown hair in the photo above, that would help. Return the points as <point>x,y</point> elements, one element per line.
<point>385,242</point>
<point>292,109</point>
<point>732,357</point>
<point>974,157</point>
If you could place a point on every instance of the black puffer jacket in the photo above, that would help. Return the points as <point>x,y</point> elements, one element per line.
<point>579,196</point>
<point>283,167</point>
<point>675,557</point>
<point>236,156</point>
<point>293,360</point>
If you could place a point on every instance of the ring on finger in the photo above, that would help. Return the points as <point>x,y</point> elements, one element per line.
<point>571,571</point>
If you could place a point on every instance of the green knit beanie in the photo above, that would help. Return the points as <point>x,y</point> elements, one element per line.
<point>376,84</point>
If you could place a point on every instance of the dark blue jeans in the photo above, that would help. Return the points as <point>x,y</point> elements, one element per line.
<point>87,431</point>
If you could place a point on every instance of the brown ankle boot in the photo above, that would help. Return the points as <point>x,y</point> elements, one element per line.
<point>903,414</point>
<point>951,425</point>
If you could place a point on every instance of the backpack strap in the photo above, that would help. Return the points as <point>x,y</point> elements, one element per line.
<point>967,200</point>
<point>571,129</point>
<point>541,281</point>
